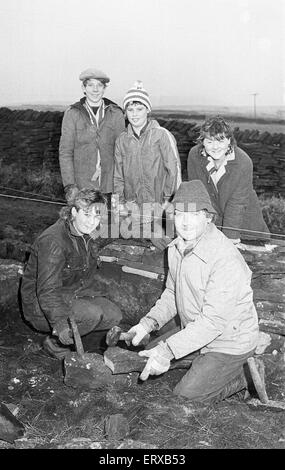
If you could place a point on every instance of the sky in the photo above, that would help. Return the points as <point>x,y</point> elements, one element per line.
<point>186,52</point>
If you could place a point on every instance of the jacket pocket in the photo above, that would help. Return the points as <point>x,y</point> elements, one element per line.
<point>232,331</point>
<point>72,266</point>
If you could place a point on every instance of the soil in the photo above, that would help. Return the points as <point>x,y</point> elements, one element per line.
<point>56,415</point>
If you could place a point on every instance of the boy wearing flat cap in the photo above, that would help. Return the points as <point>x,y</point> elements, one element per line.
<point>89,130</point>
<point>208,286</point>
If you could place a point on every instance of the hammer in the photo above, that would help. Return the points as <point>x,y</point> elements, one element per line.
<point>116,334</point>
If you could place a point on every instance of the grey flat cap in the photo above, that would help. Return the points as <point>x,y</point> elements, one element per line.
<point>94,73</point>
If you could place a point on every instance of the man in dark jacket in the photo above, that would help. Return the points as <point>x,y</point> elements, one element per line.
<point>89,130</point>
<point>58,281</point>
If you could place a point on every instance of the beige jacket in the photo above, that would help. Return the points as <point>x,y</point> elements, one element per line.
<point>210,290</point>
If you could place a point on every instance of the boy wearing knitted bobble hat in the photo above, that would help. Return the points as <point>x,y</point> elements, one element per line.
<point>137,94</point>
<point>147,164</point>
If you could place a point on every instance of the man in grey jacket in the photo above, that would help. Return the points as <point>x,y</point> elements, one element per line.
<point>208,286</point>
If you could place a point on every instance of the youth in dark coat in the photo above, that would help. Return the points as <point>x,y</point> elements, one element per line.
<point>227,171</point>
<point>59,279</point>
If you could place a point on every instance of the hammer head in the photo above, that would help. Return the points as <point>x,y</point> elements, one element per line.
<point>113,335</point>
<point>116,334</point>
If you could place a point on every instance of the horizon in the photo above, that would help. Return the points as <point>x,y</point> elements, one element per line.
<point>170,105</point>
<point>276,113</point>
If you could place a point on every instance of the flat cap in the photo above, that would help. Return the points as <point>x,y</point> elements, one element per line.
<point>94,73</point>
<point>192,196</point>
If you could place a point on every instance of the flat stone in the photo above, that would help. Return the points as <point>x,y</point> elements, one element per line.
<point>90,372</point>
<point>10,274</point>
<point>10,427</point>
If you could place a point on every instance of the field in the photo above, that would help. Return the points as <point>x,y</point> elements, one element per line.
<point>243,122</point>
<point>56,416</point>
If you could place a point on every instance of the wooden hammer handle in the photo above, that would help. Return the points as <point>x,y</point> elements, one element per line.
<point>76,336</point>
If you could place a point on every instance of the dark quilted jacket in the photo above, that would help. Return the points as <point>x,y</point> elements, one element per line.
<point>61,262</point>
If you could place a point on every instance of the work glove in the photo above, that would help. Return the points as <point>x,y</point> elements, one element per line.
<point>166,205</point>
<point>128,207</point>
<point>123,210</point>
<point>141,331</point>
<point>63,331</point>
<point>158,360</point>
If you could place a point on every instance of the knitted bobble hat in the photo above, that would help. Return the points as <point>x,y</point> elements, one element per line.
<point>137,93</point>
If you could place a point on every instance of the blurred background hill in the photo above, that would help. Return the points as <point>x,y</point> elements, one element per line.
<point>268,118</point>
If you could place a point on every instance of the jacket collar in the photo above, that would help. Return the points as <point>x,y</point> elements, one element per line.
<point>152,124</point>
<point>231,159</point>
<point>143,130</point>
<point>205,246</point>
<point>73,232</point>
<point>107,104</point>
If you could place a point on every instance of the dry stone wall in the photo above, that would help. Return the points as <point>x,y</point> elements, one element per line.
<point>29,139</point>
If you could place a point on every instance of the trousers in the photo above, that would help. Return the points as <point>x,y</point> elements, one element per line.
<point>212,377</point>
<point>90,313</point>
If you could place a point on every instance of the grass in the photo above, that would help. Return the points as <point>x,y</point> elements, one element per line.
<point>39,182</point>
<point>44,182</point>
<point>273,209</point>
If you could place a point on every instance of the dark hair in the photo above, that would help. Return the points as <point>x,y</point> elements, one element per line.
<point>211,215</point>
<point>82,199</point>
<point>217,127</point>
<point>130,103</point>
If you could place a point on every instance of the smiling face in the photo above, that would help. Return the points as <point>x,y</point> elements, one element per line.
<point>86,220</point>
<point>137,115</point>
<point>217,146</point>
<point>190,225</point>
<point>94,91</point>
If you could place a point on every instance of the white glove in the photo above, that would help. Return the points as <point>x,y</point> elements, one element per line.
<point>166,204</point>
<point>123,210</point>
<point>158,362</point>
<point>136,334</point>
<point>142,329</point>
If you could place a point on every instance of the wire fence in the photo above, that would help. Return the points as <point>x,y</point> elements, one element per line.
<point>273,236</point>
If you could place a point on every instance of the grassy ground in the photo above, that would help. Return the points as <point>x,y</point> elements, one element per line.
<point>59,416</point>
<point>39,181</point>
<point>273,209</point>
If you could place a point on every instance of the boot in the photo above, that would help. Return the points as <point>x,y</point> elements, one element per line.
<point>53,349</point>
